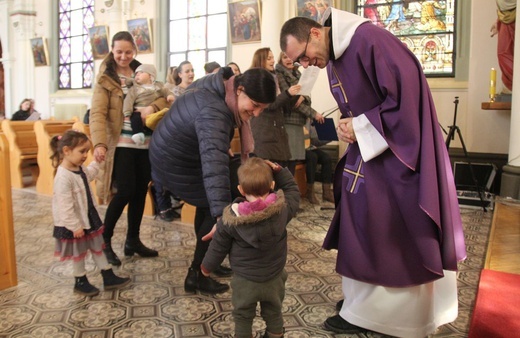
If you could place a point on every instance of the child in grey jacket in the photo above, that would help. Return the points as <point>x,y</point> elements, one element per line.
<point>253,232</point>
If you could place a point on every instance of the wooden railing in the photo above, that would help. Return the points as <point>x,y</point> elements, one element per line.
<point>23,150</point>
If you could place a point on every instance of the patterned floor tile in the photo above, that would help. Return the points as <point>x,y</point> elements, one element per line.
<point>155,304</point>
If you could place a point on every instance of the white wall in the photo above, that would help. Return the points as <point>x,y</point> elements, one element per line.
<point>487,130</point>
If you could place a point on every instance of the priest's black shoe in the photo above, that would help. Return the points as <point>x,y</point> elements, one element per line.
<point>340,325</point>
<point>223,271</point>
<point>135,246</point>
<point>195,280</point>
<point>111,255</point>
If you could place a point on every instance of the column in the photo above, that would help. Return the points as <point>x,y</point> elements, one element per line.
<point>6,57</point>
<point>272,21</point>
<point>23,18</point>
<point>510,183</point>
<point>116,14</point>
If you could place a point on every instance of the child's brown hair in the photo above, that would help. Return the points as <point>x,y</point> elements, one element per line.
<point>255,177</point>
<point>71,138</point>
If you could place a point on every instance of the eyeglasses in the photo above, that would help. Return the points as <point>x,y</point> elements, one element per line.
<point>303,57</point>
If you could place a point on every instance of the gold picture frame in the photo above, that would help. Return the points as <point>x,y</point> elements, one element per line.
<point>40,51</point>
<point>98,36</point>
<point>314,9</point>
<point>142,33</point>
<point>245,21</point>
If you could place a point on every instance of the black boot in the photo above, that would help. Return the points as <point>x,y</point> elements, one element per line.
<point>111,281</point>
<point>135,246</point>
<point>83,287</point>
<point>195,280</point>
<point>111,255</point>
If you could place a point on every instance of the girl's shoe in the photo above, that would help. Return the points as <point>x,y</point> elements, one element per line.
<point>83,287</point>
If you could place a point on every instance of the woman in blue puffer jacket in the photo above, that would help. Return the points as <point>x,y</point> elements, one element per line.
<point>190,149</point>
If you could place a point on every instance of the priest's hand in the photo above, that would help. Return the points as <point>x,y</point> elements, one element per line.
<point>345,130</point>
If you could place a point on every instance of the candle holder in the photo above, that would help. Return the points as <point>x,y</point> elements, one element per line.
<point>492,85</point>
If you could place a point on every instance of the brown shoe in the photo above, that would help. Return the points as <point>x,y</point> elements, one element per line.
<point>327,193</point>
<point>310,194</point>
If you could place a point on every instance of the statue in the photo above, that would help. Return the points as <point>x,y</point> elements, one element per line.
<point>504,28</point>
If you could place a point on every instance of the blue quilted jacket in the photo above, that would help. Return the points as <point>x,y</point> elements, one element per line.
<point>189,147</point>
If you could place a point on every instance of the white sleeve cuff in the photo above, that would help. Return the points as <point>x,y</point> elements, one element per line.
<point>371,143</point>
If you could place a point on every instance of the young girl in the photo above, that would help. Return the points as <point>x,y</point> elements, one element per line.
<point>77,225</point>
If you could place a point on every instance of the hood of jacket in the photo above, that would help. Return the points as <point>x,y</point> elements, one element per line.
<point>249,226</point>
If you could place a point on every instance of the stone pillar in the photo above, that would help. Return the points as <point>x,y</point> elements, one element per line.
<point>22,17</point>
<point>272,21</point>
<point>510,183</point>
<point>116,14</point>
<point>6,57</point>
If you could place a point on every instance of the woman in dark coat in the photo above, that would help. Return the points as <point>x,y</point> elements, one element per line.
<point>190,147</point>
<point>271,139</point>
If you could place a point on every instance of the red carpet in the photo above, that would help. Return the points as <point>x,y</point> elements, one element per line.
<point>497,310</point>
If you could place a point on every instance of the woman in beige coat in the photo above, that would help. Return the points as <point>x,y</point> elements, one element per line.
<point>127,166</point>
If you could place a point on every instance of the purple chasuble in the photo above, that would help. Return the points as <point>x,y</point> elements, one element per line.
<point>398,223</point>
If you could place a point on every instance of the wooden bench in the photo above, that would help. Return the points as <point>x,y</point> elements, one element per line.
<point>45,130</point>
<point>23,150</point>
<point>8,274</point>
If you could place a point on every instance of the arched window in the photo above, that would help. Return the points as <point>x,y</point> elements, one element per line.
<point>76,63</point>
<point>197,33</point>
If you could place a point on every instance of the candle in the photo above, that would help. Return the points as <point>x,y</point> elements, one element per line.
<point>492,84</point>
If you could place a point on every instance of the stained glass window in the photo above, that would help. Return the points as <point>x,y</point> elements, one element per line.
<point>426,27</point>
<point>198,33</point>
<point>76,63</point>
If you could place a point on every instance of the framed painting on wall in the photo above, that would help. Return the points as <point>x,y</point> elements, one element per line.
<point>98,36</point>
<point>313,9</point>
<point>244,21</point>
<point>142,33</point>
<point>40,51</point>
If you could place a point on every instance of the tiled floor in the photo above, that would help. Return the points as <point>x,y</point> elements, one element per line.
<point>155,304</point>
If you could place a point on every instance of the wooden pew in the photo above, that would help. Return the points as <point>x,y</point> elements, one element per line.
<point>45,130</point>
<point>188,213</point>
<point>23,150</point>
<point>8,274</point>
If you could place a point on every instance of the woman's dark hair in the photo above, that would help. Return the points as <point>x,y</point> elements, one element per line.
<point>258,83</point>
<point>178,70</point>
<point>234,63</point>
<point>109,59</point>
<point>23,101</point>
<point>71,138</point>
<point>171,72</point>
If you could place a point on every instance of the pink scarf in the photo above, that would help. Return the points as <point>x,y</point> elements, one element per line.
<point>247,143</point>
